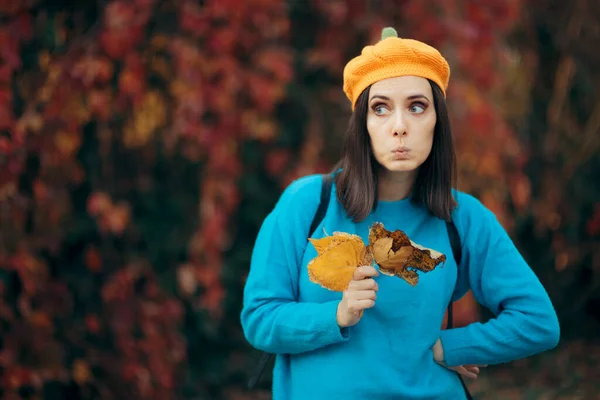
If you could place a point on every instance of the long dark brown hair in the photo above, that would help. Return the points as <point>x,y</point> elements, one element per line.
<point>357,181</point>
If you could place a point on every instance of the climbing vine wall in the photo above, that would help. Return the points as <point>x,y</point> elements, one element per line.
<point>143,142</point>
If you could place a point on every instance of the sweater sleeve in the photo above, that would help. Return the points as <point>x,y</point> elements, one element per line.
<point>272,319</point>
<point>525,321</point>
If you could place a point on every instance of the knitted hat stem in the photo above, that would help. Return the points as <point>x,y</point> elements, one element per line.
<point>388,32</point>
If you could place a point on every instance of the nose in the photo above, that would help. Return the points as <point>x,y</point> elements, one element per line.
<point>399,128</point>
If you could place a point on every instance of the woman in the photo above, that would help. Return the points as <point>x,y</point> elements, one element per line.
<point>381,338</point>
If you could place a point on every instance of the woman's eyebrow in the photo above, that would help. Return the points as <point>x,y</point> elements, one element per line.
<point>379,96</point>
<point>417,96</point>
<point>411,97</point>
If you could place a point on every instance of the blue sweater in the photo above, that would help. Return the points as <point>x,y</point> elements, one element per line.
<point>388,354</point>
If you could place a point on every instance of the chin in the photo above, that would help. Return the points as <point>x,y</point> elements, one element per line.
<point>402,166</point>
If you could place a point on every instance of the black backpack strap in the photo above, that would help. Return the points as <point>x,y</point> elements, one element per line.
<point>326,183</point>
<point>260,368</point>
<point>454,237</point>
<point>323,203</point>
<point>454,241</point>
<point>457,252</point>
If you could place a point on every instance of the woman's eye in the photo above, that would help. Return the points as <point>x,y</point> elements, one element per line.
<point>379,110</point>
<point>417,108</point>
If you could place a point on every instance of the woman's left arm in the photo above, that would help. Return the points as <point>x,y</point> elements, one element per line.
<point>525,321</point>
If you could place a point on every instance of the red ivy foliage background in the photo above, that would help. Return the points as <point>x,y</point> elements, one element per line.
<point>142,143</point>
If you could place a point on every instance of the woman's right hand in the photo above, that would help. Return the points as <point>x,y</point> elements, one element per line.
<point>359,295</point>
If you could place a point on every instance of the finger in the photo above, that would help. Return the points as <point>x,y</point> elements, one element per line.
<point>364,284</point>
<point>474,370</point>
<point>359,305</point>
<point>364,271</point>
<point>364,295</point>
<point>475,365</point>
<point>463,371</point>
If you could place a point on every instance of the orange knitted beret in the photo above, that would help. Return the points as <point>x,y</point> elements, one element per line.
<point>392,57</point>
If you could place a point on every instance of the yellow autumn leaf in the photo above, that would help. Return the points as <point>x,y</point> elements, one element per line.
<point>67,143</point>
<point>322,244</point>
<point>81,371</point>
<point>149,116</point>
<point>337,258</point>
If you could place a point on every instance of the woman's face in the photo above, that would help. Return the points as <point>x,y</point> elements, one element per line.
<point>401,120</point>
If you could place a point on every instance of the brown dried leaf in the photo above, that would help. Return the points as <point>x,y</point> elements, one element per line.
<point>386,257</point>
<point>395,253</point>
